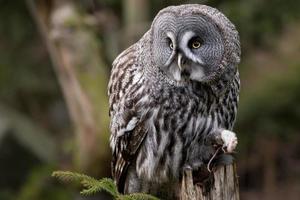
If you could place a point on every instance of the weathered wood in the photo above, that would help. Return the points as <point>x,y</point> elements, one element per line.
<point>225,186</point>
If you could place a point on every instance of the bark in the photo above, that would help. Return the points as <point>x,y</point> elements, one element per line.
<point>76,56</point>
<point>225,186</point>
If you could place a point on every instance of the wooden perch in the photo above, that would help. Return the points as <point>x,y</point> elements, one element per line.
<point>225,185</point>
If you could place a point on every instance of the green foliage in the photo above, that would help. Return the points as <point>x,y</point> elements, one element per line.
<point>137,196</point>
<point>92,186</point>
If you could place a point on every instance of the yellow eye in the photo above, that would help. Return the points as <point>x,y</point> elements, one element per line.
<point>196,44</point>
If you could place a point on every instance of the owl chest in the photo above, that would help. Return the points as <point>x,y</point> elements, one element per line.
<point>176,120</point>
<point>183,113</point>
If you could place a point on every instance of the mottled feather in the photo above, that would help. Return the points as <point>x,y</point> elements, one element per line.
<point>161,124</point>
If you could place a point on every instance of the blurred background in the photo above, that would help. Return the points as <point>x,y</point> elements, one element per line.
<point>55,59</point>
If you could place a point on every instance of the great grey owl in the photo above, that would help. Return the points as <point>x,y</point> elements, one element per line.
<point>173,96</point>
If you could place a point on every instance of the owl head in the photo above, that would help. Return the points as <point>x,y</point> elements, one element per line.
<point>194,43</point>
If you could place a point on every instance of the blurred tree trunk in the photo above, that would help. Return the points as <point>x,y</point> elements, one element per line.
<point>225,186</point>
<point>136,19</point>
<point>76,56</point>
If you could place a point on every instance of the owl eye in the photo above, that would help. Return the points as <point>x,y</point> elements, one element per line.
<point>195,43</point>
<point>170,43</point>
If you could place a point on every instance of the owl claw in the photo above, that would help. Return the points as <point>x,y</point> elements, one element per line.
<point>187,167</point>
<point>229,141</point>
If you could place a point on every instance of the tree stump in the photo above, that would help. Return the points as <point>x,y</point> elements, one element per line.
<point>225,185</point>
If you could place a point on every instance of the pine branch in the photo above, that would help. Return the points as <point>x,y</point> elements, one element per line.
<point>92,186</point>
<point>68,176</point>
<point>138,196</point>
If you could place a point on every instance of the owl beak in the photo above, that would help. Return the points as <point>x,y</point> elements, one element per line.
<point>181,61</point>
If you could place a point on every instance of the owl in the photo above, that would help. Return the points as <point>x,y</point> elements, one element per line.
<point>173,99</point>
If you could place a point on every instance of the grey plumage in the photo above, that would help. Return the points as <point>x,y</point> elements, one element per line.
<point>169,93</point>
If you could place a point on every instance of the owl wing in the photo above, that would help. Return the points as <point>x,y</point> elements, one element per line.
<point>127,131</point>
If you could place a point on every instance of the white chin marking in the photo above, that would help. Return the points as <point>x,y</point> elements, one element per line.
<point>177,76</point>
<point>229,139</point>
<point>197,73</point>
<point>175,72</point>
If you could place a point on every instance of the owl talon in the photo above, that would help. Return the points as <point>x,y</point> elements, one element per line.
<point>187,167</point>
